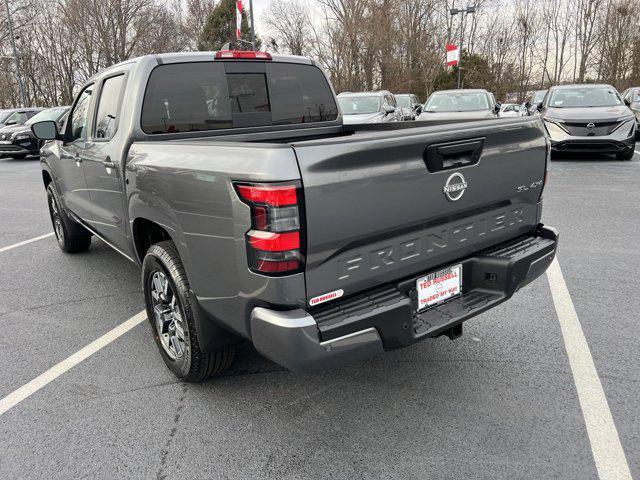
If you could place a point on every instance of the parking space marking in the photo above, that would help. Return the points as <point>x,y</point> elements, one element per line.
<point>31,240</point>
<point>608,454</point>
<point>68,363</point>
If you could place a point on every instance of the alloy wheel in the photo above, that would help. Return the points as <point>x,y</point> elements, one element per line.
<point>56,219</point>
<point>168,317</point>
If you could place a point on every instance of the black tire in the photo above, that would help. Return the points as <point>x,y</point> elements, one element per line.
<point>626,155</point>
<point>71,236</point>
<point>193,365</point>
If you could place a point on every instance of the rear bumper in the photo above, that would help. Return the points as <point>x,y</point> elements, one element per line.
<point>386,318</point>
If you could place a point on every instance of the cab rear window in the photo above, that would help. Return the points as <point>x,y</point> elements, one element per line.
<point>203,96</point>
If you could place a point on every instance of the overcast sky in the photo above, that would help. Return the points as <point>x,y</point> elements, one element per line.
<point>260,7</point>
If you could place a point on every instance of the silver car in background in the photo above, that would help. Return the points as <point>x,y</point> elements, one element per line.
<point>588,119</point>
<point>369,107</point>
<point>511,110</point>
<point>410,105</point>
<point>463,104</point>
<point>631,98</point>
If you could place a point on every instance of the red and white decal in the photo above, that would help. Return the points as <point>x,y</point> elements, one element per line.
<point>326,297</point>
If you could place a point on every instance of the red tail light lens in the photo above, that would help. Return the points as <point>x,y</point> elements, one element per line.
<point>274,196</point>
<point>242,55</point>
<point>274,242</point>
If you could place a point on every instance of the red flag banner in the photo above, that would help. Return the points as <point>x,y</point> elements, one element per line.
<point>453,54</point>
<point>238,18</point>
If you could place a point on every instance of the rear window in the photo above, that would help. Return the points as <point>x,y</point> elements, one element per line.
<point>202,96</point>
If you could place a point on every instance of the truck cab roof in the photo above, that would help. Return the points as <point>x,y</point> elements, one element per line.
<point>184,57</point>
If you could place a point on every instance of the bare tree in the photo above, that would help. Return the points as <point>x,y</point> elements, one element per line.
<point>289,23</point>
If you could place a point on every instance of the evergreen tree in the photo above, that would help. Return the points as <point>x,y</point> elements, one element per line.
<point>220,27</point>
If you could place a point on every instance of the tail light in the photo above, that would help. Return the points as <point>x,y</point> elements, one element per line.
<point>274,243</point>
<point>242,55</point>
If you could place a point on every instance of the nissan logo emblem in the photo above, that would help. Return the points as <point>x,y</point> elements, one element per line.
<point>454,187</point>
<point>591,126</point>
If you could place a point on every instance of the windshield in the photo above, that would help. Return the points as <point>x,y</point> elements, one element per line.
<point>584,97</point>
<point>457,102</point>
<point>50,114</point>
<point>359,105</point>
<point>403,101</point>
<point>538,96</point>
<point>18,118</point>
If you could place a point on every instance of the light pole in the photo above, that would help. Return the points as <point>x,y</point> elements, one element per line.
<point>253,30</point>
<point>461,11</point>
<point>23,98</point>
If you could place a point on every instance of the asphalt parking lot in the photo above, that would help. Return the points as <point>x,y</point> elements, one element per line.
<point>499,403</point>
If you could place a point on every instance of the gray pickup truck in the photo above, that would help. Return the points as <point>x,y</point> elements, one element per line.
<point>256,214</point>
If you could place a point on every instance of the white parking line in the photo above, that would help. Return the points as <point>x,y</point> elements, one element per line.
<point>608,454</point>
<point>31,240</point>
<point>54,372</point>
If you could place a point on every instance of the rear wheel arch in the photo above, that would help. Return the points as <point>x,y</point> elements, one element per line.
<point>146,233</point>
<point>46,178</point>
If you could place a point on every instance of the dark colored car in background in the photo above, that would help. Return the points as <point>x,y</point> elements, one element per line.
<point>631,98</point>
<point>4,114</point>
<point>18,141</point>
<point>589,118</point>
<point>460,105</point>
<point>409,101</point>
<point>16,116</point>
<point>535,101</point>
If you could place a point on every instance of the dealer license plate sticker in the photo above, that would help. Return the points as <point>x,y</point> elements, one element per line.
<point>439,286</point>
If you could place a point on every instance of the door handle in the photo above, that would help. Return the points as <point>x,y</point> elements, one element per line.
<point>108,163</point>
<point>454,154</point>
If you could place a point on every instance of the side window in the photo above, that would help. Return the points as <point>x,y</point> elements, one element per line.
<point>391,100</point>
<point>78,117</point>
<point>108,105</point>
<point>387,101</point>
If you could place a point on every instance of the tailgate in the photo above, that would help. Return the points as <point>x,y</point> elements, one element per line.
<point>381,206</point>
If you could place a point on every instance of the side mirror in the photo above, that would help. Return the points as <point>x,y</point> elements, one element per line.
<point>11,122</point>
<point>47,130</point>
<point>496,108</point>
<point>627,102</point>
<point>527,105</point>
<point>389,109</point>
<point>539,107</point>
